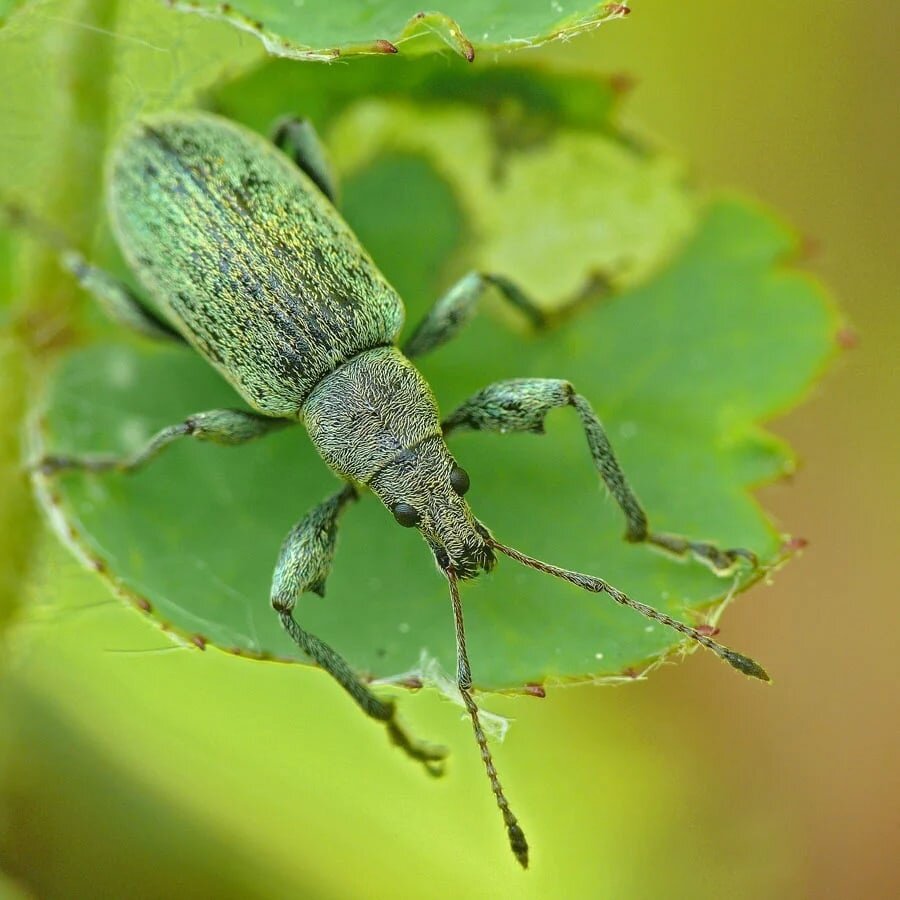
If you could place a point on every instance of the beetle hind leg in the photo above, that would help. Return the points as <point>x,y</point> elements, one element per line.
<point>120,304</point>
<point>299,140</point>
<point>117,300</point>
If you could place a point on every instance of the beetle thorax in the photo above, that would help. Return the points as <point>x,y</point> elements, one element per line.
<point>375,421</point>
<point>367,412</point>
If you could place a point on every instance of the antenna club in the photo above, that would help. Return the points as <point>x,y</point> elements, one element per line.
<point>519,844</point>
<point>746,665</point>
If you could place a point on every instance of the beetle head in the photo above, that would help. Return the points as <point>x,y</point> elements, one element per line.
<point>423,488</point>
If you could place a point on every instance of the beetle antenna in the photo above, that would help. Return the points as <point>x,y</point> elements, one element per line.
<point>599,586</point>
<point>464,681</point>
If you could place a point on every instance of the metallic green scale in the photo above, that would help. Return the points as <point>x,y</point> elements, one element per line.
<point>248,261</point>
<point>245,256</point>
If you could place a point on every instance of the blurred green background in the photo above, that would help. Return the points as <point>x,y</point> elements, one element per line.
<point>117,780</point>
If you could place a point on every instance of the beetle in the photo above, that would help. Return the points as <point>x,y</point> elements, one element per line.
<point>239,242</point>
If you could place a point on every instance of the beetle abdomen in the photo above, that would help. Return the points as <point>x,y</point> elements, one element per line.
<point>246,258</point>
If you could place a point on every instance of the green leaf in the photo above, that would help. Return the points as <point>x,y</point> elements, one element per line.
<point>77,71</point>
<point>533,161</point>
<point>9,7</point>
<point>326,31</point>
<point>708,334</point>
<point>17,513</point>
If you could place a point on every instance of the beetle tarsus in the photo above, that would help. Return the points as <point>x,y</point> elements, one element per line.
<point>722,562</point>
<point>432,757</point>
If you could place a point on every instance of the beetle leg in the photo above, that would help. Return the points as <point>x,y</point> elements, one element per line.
<point>303,565</point>
<point>221,426</point>
<point>115,299</point>
<point>522,404</point>
<point>300,141</point>
<point>458,306</point>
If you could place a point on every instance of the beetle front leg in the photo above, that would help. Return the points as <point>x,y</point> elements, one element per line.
<point>522,404</point>
<point>458,306</point>
<point>300,141</point>
<point>220,426</point>
<point>303,565</point>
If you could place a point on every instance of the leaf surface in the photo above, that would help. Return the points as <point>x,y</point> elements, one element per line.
<point>327,31</point>
<point>706,333</point>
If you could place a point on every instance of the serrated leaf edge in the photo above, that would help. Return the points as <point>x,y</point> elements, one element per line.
<point>435,22</point>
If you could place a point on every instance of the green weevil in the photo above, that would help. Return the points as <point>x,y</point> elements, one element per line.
<point>239,242</point>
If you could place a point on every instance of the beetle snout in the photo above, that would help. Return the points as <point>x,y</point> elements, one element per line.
<point>467,559</point>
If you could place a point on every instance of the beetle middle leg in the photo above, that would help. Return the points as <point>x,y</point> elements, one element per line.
<point>459,305</point>
<point>299,140</point>
<point>522,404</point>
<point>220,426</point>
<point>303,565</point>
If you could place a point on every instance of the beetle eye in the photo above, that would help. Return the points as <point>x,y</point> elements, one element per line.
<point>406,515</point>
<point>459,480</point>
